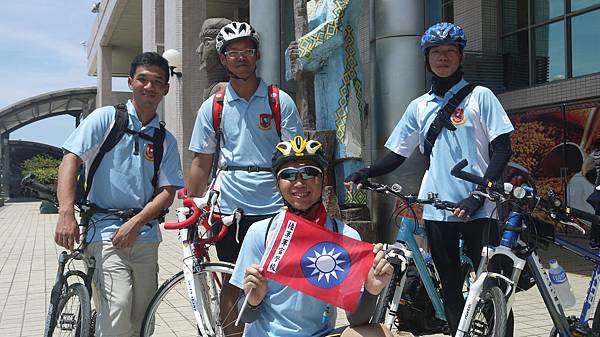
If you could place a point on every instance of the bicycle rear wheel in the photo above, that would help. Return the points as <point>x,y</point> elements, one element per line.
<point>489,315</point>
<point>170,312</point>
<point>73,313</point>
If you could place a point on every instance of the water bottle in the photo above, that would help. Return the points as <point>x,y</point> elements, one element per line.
<point>561,285</point>
<point>509,237</point>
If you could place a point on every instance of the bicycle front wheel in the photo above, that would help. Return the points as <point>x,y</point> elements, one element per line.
<point>170,312</point>
<point>489,315</point>
<point>73,316</point>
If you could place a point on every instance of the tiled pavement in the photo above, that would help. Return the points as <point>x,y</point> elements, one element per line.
<point>28,266</point>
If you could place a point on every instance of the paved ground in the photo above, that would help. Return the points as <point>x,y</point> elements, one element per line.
<point>28,266</point>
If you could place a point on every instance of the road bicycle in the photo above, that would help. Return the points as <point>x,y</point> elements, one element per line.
<point>518,244</point>
<point>188,303</point>
<point>401,304</point>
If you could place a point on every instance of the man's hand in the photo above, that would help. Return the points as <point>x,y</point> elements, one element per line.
<point>126,235</point>
<point>295,66</point>
<point>67,230</point>
<point>359,177</point>
<point>468,206</point>
<point>380,273</point>
<point>255,281</point>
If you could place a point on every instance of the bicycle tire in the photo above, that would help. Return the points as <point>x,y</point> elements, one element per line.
<point>170,312</point>
<point>73,313</point>
<point>489,314</point>
<point>384,299</point>
<point>596,321</point>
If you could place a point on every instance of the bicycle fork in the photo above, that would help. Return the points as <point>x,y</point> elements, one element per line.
<point>55,294</point>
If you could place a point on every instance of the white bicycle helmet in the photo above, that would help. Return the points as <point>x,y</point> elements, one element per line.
<point>235,31</point>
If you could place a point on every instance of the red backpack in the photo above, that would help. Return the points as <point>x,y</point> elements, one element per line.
<point>217,114</point>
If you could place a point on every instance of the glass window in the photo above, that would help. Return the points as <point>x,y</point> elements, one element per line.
<point>549,56</point>
<point>585,43</point>
<point>579,4</point>
<point>448,11</point>
<point>515,57</point>
<point>514,15</point>
<point>547,9</point>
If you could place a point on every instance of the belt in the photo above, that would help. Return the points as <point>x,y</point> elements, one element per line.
<point>245,168</point>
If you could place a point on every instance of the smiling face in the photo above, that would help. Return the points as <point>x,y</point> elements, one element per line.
<point>148,85</point>
<point>301,194</point>
<point>444,60</point>
<point>242,66</point>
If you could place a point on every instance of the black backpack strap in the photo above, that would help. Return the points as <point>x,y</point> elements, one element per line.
<point>158,150</point>
<point>442,120</point>
<point>114,136</point>
<point>269,227</point>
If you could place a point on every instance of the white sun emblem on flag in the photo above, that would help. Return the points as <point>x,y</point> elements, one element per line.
<point>326,264</point>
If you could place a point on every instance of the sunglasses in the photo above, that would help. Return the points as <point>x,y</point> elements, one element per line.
<point>305,172</point>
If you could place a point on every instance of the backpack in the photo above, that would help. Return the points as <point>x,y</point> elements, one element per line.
<point>115,135</point>
<point>217,114</point>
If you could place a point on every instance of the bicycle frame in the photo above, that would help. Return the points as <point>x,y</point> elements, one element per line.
<point>195,286</point>
<point>542,281</point>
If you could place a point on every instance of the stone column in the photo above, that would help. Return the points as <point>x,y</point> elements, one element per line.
<point>398,77</point>
<point>104,71</point>
<point>182,21</point>
<point>265,18</point>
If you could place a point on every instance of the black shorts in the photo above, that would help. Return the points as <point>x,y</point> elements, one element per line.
<point>228,249</point>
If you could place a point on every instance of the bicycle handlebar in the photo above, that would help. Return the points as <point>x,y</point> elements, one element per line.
<point>199,209</point>
<point>554,204</point>
<point>396,189</point>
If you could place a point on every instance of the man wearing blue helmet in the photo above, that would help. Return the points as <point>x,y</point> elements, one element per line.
<point>474,126</point>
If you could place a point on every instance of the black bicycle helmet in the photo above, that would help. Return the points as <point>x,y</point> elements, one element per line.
<point>296,149</point>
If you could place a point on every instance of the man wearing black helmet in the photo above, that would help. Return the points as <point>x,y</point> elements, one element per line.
<point>474,127</point>
<point>278,310</point>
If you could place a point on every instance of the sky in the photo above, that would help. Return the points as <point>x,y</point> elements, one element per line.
<point>42,50</point>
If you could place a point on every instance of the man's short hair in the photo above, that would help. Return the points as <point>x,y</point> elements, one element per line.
<point>150,59</point>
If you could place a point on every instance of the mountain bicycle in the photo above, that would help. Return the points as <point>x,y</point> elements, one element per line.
<point>520,249</point>
<point>401,304</point>
<point>70,312</point>
<point>188,303</point>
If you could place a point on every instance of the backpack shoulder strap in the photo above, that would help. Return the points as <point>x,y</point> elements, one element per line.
<point>442,119</point>
<point>269,227</point>
<point>217,114</point>
<point>114,136</point>
<point>158,141</point>
<point>275,107</point>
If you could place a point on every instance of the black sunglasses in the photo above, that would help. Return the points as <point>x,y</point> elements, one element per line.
<point>305,172</point>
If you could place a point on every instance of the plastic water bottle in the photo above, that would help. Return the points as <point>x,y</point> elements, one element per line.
<point>561,285</point>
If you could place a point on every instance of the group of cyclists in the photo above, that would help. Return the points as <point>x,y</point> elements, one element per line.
<point>263,162</point>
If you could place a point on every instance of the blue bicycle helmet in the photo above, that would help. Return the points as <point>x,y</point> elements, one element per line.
<point>443,33</point>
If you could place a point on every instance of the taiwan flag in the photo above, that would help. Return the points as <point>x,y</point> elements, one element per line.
<point>318,262</point>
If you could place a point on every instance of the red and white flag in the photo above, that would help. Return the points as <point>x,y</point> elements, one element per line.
<point>318,262</point>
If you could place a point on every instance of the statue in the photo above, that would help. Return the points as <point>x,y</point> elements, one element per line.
<point>216,74</point>
<point>330,51</point>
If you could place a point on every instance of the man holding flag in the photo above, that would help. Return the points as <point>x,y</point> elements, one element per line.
<point>313,262</point>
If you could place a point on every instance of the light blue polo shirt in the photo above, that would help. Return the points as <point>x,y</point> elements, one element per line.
<point>123,179</point>
<point>479,119</point>
<point>284,311</point>
<point>249,139</point>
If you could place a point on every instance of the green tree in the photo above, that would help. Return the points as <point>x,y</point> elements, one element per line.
<point>43,167</point>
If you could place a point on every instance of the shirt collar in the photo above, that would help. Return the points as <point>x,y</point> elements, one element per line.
<point>231,95</point>
<point>137,124</point>
<point>455,88</point>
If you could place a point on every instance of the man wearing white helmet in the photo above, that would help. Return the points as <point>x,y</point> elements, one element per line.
<point>239,146</point>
